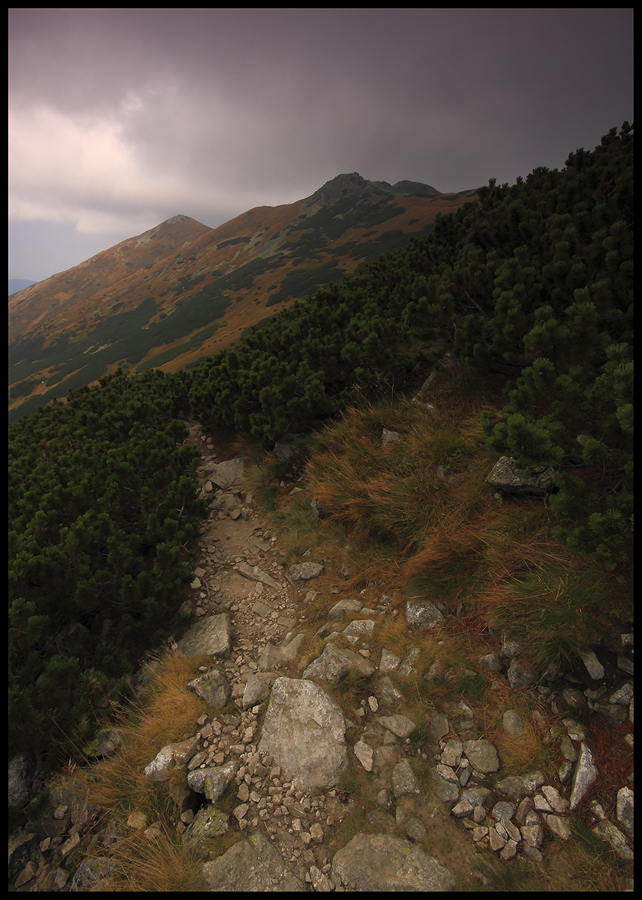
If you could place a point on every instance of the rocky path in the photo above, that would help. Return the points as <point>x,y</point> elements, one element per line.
<point>241,573</point>
<point>446,797</point>
<point>342,799</point>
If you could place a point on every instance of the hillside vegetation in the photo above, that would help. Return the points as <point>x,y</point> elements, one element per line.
<point>529,289</point>
<point>180,291</point>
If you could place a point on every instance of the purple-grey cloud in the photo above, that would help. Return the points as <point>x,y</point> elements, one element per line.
<point>122,117</point>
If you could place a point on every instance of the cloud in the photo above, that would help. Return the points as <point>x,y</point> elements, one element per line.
<point>121,118</point>
<point>152,158</point>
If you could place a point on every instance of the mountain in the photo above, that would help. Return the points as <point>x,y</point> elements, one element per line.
<point>17,284</point>
<point>182,291</point>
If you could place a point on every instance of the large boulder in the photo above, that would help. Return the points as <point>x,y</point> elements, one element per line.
<point>252,865</point>
<point>335,663</point>
<point>377,862</point>
<point>225,474</point>
<point>209,637</point>
<point>509,480</point>
<point>304,732</point>
<point>212,687</point>
<point>212,782</point>
<point>169,757</point>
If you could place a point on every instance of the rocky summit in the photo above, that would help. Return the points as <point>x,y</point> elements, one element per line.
<point>328,799</point>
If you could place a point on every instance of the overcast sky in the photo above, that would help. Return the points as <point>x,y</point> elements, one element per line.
<point>121,118</point>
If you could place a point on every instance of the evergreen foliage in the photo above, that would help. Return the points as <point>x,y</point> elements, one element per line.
<point>103,511</point>
<point>532,283</point>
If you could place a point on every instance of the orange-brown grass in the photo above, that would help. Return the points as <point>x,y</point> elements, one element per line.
<point>549,601</point>
<point>166,713</point>
<point>158,864</point>
<point>525,752</point>
<point>392,633</point>
<point>613,758</point>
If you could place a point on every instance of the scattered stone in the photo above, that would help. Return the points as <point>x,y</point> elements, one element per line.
<point>505,477</point>
<point>399,724</point>
<point>451,754</point>
<point>209,637</point>
<point>365,755</point>
<point>335,663</point>
<point>521,672</point>
<point>558,803</point>
<point>306,571</point>
<point>254,573</point>
<point>503,810</point>
<point>583,777</point>
<point>512,723</point>
<point>280,655</point>
<point>26,874</point>
<point>228,473</point>
<point>593,666</point>
<point>415,829</point>
<point>359,627</point>
<point>255,690</point>
<point>558,826</point>
<point>625,808</point>
<point>170,756</point>
<point>404,780</point>
<point>344,607</point>
<point>320,882</point>
<point>212,688</point>
<point>607,831</point>
<point>422,613</point>
<point>446,790</point>
<point>462,809</point>
<point>212,782</point>
<point>482,755</point>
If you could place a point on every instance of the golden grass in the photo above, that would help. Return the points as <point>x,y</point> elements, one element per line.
<point>157,864</point>
<point>166,712</point>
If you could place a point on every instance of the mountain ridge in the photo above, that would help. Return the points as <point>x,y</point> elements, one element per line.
<point>112,309</point>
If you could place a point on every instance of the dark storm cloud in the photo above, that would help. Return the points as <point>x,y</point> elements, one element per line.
<point>123,117</point>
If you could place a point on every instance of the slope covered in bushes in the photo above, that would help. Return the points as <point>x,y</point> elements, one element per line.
<point>534,282</point>
<point>103,512</point>
<point>531,286</point>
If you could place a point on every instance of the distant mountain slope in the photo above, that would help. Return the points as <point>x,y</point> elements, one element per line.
<point>181,291</point>
<point>17,284</point>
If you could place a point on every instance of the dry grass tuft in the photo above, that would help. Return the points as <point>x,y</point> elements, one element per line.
<point>159,864</point>
<point>166,712</point>
<point>521,753</point>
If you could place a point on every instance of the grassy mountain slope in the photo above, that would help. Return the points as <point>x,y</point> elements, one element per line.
<point>530,289</point>
<point>181,291</point>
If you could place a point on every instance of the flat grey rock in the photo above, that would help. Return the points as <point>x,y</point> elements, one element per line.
<point>209,637</point>
<point>383,863</point>
<point>304,732</point>
<point>251,865</point>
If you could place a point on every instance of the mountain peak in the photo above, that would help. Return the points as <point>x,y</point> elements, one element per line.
<point>352,185</point>
<point>358,188</point>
